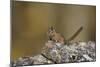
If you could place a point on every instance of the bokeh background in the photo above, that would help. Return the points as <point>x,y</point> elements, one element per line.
<point>30,22</point>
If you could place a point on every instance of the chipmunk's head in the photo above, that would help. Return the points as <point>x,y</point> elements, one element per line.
<point>51,31</point>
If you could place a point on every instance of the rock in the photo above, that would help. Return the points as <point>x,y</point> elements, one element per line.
<point>57,53</point>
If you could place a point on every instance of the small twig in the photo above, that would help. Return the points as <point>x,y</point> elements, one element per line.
<point>48,58</point>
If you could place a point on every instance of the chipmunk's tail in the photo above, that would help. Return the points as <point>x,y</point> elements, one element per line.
<point>77,32</point>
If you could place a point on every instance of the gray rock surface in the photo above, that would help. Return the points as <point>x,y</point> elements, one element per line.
<point>54,53</point>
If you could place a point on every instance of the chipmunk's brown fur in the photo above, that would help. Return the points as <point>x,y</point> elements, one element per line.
<point>57,37</point>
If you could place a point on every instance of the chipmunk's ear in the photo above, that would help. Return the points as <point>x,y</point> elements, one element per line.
<point>52,28</point>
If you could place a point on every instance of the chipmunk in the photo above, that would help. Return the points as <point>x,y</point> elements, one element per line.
<point>57,37</point>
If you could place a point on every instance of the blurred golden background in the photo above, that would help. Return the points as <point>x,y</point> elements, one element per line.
<point>30,22</point>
